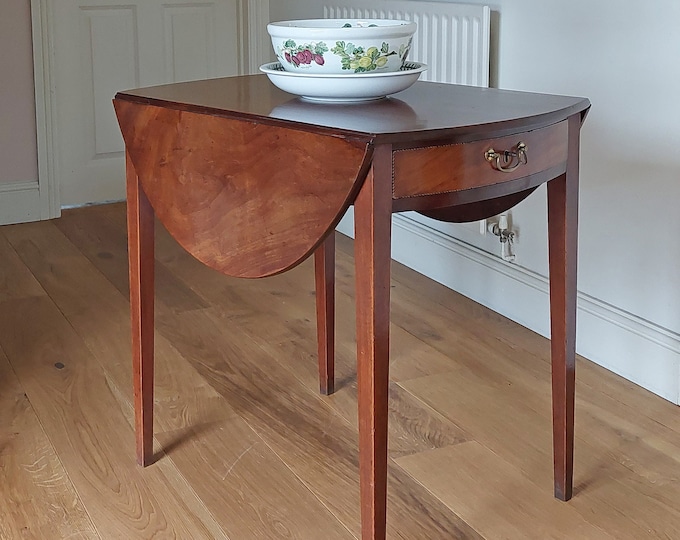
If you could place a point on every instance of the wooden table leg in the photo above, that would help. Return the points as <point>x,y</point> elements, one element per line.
<point>140,218</point>
<point>563,238</point>
<point>372,224</point>
<point>324,272</point>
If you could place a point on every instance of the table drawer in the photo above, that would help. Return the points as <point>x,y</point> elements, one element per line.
<point>455,167</point>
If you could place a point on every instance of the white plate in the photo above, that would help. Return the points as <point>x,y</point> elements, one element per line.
<point>343,87</point>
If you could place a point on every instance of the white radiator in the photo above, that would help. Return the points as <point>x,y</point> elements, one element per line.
<point>452,39</point>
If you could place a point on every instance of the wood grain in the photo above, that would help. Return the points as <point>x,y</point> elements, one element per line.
<point>562,244</point>
<point>324,278</point>
<point>478,480</point>
<point>261,198</point>
<point>81,418</point>
<point>457,167</point>
<point>104,327</point>
<point>318,446</point>
<point>102,238</point>
<point>460,373</point>
<point>373,237</point>
<point>37,498</point>
<point>213,177</point>
<point>72,282</point>
<point>140,228</point>
<point>284,305</point>
<point>512,420</point>
<point>15,280</point>
<point>246,486</point>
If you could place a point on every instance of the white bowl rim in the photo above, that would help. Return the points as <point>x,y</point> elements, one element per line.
<point>327,26</point>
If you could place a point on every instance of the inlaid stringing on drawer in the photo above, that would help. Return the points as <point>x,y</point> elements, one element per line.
<point>455,167</point>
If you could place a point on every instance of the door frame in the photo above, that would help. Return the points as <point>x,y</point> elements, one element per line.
<point>253,18</point>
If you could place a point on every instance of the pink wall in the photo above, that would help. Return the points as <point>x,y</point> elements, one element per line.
<point>18,152</point>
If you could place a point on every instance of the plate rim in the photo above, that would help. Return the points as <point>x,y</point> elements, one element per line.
<point>268,69</point>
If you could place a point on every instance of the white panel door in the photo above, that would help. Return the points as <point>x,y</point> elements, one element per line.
<point>100,48</point>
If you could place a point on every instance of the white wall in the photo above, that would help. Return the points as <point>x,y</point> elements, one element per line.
<point>19,187</point>
<point>18,152</point>
<point>624,56</point>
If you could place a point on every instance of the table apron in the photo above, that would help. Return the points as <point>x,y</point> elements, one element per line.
<point>451,168</point>
<point>495,194</point>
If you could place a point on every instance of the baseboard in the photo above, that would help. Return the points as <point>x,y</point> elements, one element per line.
<point>19,202</point>
<point>638,350</point>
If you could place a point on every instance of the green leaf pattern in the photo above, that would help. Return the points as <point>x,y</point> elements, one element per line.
<point>352,57</point>
<point>357,59</point>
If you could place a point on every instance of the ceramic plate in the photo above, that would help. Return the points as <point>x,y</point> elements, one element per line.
<point>343,87</point>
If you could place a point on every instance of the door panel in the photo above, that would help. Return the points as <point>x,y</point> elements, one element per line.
<point>112,48</point>
<point>189,42</point>
<point>100,48</point>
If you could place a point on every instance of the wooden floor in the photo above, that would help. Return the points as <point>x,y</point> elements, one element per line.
<point>248,449</point>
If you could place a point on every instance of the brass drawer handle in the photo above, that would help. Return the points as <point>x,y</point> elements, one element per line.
<point>502,161</point>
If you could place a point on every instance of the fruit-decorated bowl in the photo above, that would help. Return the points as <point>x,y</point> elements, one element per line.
<point>342,46</point>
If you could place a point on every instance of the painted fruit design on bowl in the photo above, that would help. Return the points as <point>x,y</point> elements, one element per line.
<point>301,55</point>
<point>360,61</point>
<point>355,58</point>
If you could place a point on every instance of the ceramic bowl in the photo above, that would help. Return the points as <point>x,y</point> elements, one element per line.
<point>342,46</point>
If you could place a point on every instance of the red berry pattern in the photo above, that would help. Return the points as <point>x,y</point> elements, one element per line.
<point>302,55</point>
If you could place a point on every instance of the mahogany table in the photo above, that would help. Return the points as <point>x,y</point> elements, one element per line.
<point>251,181</point>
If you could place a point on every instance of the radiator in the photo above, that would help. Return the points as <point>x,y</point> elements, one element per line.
<point>452,39</point>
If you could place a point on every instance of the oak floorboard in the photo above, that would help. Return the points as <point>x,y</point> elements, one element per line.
<point>502,421</point>
<point>413,426</point>
<point>493,497</point>
<point>37,498</point>
<point>618,423</point>
<point>79,414</point>
<point>15,280</point>
<point>104,243</point>
<point>318,445</point>
<point>291,340</point>
<point>182,396</point>
<point>410,357</point>
<point>100,315</point>
<point>601,409</point>
<point>461,341</point>
<point>511,363</point>
<point>521,347</point>
<point>250,491</point>
<point>241,355</point>
<point>470,336</point>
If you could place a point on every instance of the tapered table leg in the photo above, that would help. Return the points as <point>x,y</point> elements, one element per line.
<point>140,218</point>
<point>563,238</point>
<point>372,224</point>
<point>324,270</point>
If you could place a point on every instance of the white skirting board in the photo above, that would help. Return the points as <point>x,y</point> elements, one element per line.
<point>636,349</point>
<point>19,202</point>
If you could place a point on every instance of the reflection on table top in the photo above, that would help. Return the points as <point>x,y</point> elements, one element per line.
<point>424,111</point>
